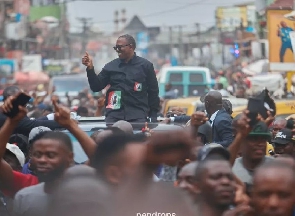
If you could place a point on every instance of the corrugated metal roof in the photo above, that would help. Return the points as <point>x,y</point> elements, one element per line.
<point>281,4</point>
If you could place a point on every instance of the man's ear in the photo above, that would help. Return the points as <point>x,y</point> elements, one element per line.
<point>71,159</point>
<point>113,174</point>
<point>196,188</point>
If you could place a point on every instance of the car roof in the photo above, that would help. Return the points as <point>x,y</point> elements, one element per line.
<point>137,127</point>
<point>89,125</point>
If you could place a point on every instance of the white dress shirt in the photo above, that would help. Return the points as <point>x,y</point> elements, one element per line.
<point>212,118</point>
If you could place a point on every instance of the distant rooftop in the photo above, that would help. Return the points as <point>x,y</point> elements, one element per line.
<point>281,5</point>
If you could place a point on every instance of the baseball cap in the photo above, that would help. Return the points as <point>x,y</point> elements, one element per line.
<point>260,129</point>
<point>14,149</point>
<point>283,137</point>
<point>124,126</point>
<point>35,131</point>
<point>212,148</point>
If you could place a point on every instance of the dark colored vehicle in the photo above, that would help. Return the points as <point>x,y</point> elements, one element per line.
<point>92,124</point>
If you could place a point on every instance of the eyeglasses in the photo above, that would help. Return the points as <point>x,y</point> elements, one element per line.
<point>119,47</point>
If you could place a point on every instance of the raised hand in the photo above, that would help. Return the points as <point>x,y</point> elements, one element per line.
<point>101,102</point>
<point>62,115</point>
<point>198,118</point>
<point>242,124</point>
<point>270,118</point>
<point>87,61</point>
<point>8,106</point>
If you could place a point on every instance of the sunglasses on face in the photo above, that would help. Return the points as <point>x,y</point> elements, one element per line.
<point>119,47</point>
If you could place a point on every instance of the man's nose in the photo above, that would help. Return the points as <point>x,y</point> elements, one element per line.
<point>182,184</point>
<point>42,159</point>
<point>225,180</point>
<point>273,201</point>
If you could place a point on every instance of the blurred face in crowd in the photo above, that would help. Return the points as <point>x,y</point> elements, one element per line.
<point>186,177</point>
<point>50,159</point>
<point>287,149</point>
<point>125,164</point>
<point>240,93</point>
<point>283,24</point>
<point>11,159</point>
<point>277,126</point>
<point>273,192</point>
<point>178,111</point>
<point>216,185</point>
<point>11,91</point>
<point>254,147</point>
<point>168,87</point>
<point>91,102</point>
<point>286,159</point>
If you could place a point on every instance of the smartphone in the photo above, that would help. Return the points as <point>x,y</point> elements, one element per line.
<point>253,107</point>
<point>21,100</point>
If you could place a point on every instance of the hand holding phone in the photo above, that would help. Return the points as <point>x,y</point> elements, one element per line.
<point>12,105</point>
<point>254,105</point>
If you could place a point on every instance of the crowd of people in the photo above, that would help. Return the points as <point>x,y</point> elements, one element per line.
<point>214,165</point>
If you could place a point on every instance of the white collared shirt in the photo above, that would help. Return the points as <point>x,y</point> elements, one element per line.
<point>212,118</point>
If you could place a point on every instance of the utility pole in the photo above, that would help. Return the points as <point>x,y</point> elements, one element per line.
<point>171,40</point>
<point>2,6</point>
<point>62,41</point>
<point>84,34</point>
<point>118,20</point>
<point>181,51</point>
<point>200,44</point>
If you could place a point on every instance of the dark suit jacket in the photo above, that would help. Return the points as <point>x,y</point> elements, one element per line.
<point>222,131</point>
<point>182,119</point>
<point>26,124</point>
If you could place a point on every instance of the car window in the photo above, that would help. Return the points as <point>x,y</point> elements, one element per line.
<point>79,154</point>
<point>81,157</point>
<point>171,107</point>
<point>283,115</point>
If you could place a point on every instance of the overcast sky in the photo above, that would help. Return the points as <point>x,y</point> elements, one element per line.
<point>152,12</point>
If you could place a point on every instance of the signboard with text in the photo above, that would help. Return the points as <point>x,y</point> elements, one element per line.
<point>31,63</point>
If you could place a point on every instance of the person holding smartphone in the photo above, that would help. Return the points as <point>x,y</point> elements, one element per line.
<point>133,95</point>
<point>26,124</point>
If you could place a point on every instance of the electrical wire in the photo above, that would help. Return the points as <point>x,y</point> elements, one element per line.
<point>158,13</point>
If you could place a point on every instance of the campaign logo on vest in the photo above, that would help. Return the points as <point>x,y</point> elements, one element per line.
<point>114,100</point>
<point>137,86</point>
